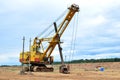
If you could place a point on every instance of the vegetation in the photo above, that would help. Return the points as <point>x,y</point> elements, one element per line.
<point>92,60</point>
<point>96,60</point>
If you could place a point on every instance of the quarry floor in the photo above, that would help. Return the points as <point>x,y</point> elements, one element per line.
<point>82,71</point>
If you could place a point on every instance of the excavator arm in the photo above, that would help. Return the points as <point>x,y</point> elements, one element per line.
<point>72,10</point>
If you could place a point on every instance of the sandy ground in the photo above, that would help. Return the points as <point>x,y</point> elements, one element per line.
<point>77,72</point>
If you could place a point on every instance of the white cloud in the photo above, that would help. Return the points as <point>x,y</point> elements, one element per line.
<point>96,26</point>
<point>97,21</point>
<point>9,58</point>
<point>98,56</point>
<point>116,29</point>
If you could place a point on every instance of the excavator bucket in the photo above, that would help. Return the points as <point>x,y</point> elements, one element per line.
<point>64,69</point>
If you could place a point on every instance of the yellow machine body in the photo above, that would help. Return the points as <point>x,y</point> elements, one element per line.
<point>37,58</point>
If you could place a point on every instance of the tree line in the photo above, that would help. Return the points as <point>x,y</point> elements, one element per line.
<point>92,60</point>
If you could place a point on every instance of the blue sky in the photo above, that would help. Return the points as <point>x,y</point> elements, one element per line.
<point>98,31</point>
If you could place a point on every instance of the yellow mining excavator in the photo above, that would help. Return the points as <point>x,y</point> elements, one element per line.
<point>38,59</point>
